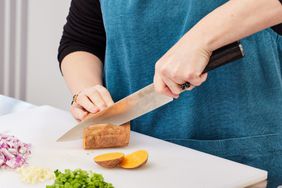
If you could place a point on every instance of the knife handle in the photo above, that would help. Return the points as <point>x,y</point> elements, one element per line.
<point>222,56</point>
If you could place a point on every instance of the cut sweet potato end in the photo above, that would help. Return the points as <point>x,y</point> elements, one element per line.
<point>134,160</point>
<point>109,160</point>
<point>106,136</point>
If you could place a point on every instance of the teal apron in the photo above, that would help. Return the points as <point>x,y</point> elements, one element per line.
<point>235,114</point>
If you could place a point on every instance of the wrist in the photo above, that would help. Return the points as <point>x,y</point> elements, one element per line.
<point>203,39</point>
<point>196,41</point>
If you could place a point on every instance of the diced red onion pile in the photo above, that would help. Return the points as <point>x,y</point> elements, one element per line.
<point>13,152</point>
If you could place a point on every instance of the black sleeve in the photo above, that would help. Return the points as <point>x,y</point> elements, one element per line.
<point>84,30</point>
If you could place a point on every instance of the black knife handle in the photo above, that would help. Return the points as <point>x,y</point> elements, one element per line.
<point>222,56</point>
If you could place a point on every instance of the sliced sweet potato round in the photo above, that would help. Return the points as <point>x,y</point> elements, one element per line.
<point>134,160</point>
<point>109,160</point>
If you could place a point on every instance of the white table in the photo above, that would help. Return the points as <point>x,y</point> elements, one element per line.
<point>160,152</point>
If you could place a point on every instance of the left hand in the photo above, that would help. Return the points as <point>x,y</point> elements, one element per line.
<point>184,62</point>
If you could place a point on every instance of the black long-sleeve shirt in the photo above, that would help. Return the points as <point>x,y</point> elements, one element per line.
<point>84,30</point>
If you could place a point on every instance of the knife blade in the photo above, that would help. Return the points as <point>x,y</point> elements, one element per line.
<point>146,99</point>
<point>131,107</point>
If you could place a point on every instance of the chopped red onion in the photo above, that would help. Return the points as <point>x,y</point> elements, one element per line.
<point>13,152</point>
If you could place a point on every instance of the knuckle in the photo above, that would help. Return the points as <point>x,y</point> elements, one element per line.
<point>84,91</point>
<point>189,77</point>
<point>102,90</point>
<point>91,90</point>
<point>93,94</point>
<point>157,65</point>
<point>96,87</point>
<point>163,71</point>
<point>175,75</point>
<point>79,99</point>
<point>86,106</point>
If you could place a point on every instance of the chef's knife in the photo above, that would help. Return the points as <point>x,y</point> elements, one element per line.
<point>146,99</point>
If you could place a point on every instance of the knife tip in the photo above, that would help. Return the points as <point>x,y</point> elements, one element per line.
<point>67,138</point>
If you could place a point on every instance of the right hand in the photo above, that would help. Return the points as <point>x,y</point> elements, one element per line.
<point>91,100</point>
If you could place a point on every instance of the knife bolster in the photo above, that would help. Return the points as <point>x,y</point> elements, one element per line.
<point>106,136</point>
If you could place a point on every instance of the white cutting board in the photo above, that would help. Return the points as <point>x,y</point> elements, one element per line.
<point>169,165</point>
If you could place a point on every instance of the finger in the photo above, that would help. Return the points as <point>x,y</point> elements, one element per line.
<point>172,75</point>
<point>86,103</point>
<point>195,80</point>
<point>96,98</point>
<point>203,78</point>
<point>198,80</point>
<point>190,88</point>
<point>161,87</point>
<point>105,94</point>
<point>173,87</point>
<point>78,112</point>
<point>175,77</point>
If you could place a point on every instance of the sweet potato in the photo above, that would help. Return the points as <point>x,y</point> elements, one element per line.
<point>106,136</point>
<point>134,160</point>
<point>109,160</point>
<point>131,161</point>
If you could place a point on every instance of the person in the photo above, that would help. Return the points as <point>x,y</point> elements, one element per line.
<point>110,49</point>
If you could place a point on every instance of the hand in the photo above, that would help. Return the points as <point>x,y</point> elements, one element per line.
<point>91,100</point>
<point>184,62</point>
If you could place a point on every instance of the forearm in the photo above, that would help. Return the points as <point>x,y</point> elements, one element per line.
<point>236,19</point>
<point>81,70</point>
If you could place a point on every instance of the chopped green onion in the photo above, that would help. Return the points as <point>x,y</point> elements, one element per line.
<point>79,179</point>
